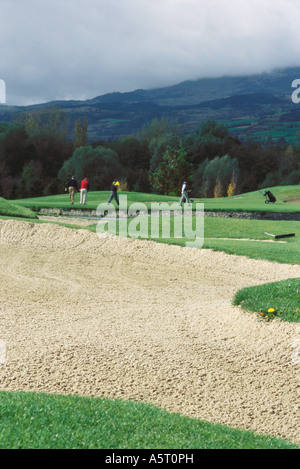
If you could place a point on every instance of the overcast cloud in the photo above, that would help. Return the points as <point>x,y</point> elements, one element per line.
<point>79,49</point>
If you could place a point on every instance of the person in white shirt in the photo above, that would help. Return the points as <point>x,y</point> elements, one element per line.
<point>184,194</point>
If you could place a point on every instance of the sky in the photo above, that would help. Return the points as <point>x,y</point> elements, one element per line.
<point>80,49</point>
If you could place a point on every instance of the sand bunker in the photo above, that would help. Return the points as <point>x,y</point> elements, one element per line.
<point>68,220</point>
<point>138,320</point>
<point>292,201</point>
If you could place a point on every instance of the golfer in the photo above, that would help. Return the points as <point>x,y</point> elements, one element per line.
<point>184,194</point>
<point>84,187</point>
<point>72,188</point>
<point>114,192</point>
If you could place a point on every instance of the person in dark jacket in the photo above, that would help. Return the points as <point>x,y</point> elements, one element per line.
<point>114,192</point>
<point>72,188</point>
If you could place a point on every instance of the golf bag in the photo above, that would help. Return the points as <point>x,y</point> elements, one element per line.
<point>270,198</point>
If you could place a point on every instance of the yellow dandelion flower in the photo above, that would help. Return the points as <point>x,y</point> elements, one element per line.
<point>271,310</point>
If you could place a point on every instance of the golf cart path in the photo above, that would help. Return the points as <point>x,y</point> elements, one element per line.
<point>131,319</point>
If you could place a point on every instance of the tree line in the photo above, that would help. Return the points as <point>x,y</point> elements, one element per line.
<point>37,157</point>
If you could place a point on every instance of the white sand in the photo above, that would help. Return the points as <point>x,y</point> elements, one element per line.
<point>144,321</point>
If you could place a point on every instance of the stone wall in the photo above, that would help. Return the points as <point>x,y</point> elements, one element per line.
<point>288,216</point>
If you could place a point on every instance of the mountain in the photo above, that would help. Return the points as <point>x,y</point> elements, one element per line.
<point>190,92</point>
<point>253,105</point>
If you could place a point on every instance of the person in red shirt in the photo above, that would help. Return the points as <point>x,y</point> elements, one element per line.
<point>84,187</point>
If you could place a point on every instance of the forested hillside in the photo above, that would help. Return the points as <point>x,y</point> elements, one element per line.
<point>37,157</point>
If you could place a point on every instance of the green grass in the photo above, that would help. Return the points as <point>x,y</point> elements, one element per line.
<point>9,208</point>
<point>286,250</point>
<point>271,252</point>
<point>242,237</point>
<point>255,201</point>
<point>251,201</point>
<point>94,199</point>
<point>42,421</point>
<point>283,296</point>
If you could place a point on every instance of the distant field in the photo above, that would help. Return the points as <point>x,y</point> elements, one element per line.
<point>260,130</point>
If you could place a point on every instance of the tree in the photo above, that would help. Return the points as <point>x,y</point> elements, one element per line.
<point>158,148</point>
<point>15,149</point>
<point>218,190</point>
<point>158,128</point>
<point>132,153</point>
<point>169,175</point>
<point>138,180</point>
<point>31,183</point>
<point>232,188</point>
<point>213,177</point>
<point>214,129</point>
<point>100,165</point>
<point>80,135</point>
<point>49,147</point>
<point>51,151</point>
<point>50,120</point>
<point>158,136</point>
<point>207,141</point>
<point>255,162</point>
